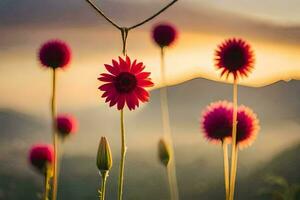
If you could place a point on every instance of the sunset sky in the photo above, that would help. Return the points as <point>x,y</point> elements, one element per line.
<point>271,27</point>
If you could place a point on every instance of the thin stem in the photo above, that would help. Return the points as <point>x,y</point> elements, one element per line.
<point>234,173</point>
<point>104,176</point>
<point>153,16</point>
<point>47,177</point>
<point>167,128</point>
<point>55,136</point>
<point>169,174</point>
<point>234,146</point>
<point>123,153</point>
<point>226,168</point>
<point>134,26</point>
<point>103,15</point>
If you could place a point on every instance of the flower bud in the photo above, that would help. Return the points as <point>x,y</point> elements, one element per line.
<point>163,152</point>
<point>104,157</point>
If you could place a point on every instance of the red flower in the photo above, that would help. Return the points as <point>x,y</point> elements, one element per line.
<point>125,83</point>
<point>66,125</point>
<point>216,121</point>
<point>55,54</point>
<point>235,57</point>
<point>164,34</point>
<point>247,127</point>
<point>41,155</point>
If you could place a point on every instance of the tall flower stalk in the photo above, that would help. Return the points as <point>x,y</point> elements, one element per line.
<point>125,85</point>
<point>54,54</point>
<point>47,184</point>
<point>234,150</point>
<point>164,35</point>
<point>226,168</point>
<point>167,130</point>
<point>54,136</point>
<point>216,123</point>
<point>234,57</point>
<point>123,154</point>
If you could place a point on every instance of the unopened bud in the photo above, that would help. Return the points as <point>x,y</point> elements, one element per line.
<point>163,152</point>
<point>104,157</point>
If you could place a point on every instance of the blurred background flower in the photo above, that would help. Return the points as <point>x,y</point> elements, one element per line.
<point>41,156</point>
<point>247,127</point>
<point>55,54</point>
<point>66,125</point>
<point>216,121</point>
<point>164,34</point>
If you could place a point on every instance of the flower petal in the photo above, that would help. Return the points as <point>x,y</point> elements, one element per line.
<point>124,67</point>
<point>137,68</point>
<point>128,61</point>
<point>132,101</point>
<point>106,87</point>
<point>114,100</point>
<point>142,94</point>
<point>121,102</point>
<point>112,69</point>
<point>145,83</point>
<point>106,78</point>
<point>143,75</point>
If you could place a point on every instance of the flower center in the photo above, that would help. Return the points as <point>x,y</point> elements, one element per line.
<point>235,58</point>
<point>125,82</point>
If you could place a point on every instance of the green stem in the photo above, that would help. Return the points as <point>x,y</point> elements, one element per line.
<point>104,176</point>
<point>226,168</point>
<point>167,129</point>
<point>169,174</point>
<point>234,143</point>
<point>123,153</point>
<point>54,135</point>
<point>47,177</point>
<point>235,171</point>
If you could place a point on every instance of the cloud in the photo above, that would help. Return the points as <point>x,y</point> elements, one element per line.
<point>200,18</point>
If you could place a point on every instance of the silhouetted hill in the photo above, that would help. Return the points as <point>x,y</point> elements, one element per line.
<point>16,125</point>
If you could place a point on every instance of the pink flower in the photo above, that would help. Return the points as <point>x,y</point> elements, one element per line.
<point>55,54</point>
<point>125,83</point>
<point>247,126</point>
<point>66,125</point>
<point>216,121</point>
<point>41,156</point>
<point>234,56</point>
<point>164,34</point>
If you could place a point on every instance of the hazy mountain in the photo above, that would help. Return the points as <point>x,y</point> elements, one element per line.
<point>199,164</point>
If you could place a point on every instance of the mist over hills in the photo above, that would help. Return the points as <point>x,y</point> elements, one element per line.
<point>199,164</point>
